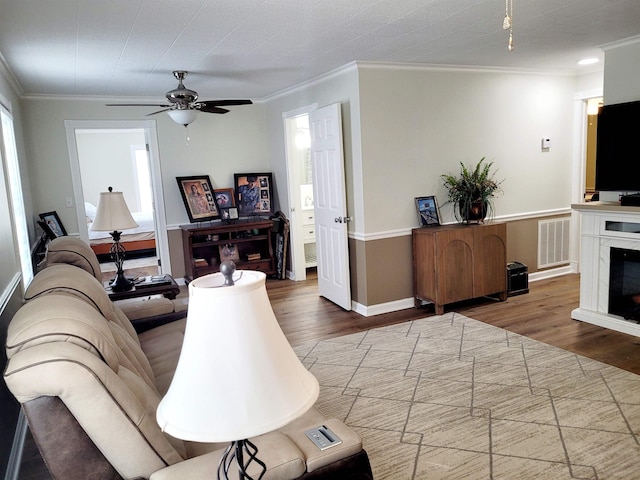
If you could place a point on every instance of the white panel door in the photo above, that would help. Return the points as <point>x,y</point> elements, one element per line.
<point>330,205</point>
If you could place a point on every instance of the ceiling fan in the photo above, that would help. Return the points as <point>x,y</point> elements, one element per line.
<point>183,106</point>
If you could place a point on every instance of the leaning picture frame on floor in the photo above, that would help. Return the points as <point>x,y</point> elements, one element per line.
<point>428,212</point>
<point>198,198</point>
<point>51,224</point>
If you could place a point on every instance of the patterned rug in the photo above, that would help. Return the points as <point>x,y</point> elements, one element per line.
<point>448,397</point>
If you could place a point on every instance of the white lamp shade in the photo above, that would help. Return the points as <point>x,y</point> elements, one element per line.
<point>237,376</point>
<point>112,213</point>
<point>183,116</point>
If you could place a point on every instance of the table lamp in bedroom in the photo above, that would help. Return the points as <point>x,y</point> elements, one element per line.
<point>113,216</point>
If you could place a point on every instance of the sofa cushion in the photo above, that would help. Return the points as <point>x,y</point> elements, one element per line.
<point>63,278</point>
<point>145,307</point>
<point>116,409</point>
<point>162,346</point>
<point>283,459</point>
<point>316,458</point>
<point>73,251</point>
<point>67,320</point>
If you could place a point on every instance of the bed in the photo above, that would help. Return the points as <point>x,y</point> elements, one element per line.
<point>140,241</point>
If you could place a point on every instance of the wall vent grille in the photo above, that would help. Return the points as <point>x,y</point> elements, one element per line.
<point>553,242</point>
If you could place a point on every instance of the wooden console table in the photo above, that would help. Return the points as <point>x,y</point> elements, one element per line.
<point>247,242</point>
<point>452,263</point>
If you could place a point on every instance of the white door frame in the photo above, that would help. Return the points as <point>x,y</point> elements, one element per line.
<point>149,127</point>
<point>297,269</point>
<point>579,170</point>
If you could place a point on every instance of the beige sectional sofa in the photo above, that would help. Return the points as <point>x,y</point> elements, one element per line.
<point>89,386</point>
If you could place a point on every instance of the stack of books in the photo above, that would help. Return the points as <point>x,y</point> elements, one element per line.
<point>200,262</point>
<point>253,256</point>
<point>152,281</point>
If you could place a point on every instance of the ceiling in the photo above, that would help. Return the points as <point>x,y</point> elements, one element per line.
<point>256,48</point>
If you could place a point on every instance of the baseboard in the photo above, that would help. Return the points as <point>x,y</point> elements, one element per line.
<point>15,457</point>
<point>371,310</point>
<point>394,306</point>
<point>553,272</point>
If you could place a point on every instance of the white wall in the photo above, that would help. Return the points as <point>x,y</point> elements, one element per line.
<point>418,124</point>
<point>622,71</point>
<point>218,146</point>
<point>338,87</point>
<point>108,156</point>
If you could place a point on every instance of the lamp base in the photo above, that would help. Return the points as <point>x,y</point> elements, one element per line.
<point>121,283</point>
<point>245,453</point>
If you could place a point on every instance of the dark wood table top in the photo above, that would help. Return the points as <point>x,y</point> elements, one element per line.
<point>144,286</point>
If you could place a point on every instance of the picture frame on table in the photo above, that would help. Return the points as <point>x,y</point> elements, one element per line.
<point>229,214</point>
<point>197,195</point>
<point>51,224</point>
<point>229,251</point>
<point>225,198</point>
<point>254,194</point>
<point>428,211</point>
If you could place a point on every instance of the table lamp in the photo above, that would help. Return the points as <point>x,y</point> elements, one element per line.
<point>113,215</point>
<point>237,376</point>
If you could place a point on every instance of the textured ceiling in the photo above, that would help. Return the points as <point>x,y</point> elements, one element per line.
<point>255,48</point>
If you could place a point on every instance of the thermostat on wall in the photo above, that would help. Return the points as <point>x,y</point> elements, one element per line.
<point>546,143</point>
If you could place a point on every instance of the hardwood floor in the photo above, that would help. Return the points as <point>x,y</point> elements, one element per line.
<point>543,314</point>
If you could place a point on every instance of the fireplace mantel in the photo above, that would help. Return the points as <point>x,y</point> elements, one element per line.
<point>603,226</point>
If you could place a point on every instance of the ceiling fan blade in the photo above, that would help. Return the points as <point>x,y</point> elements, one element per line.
<point>137,105</point>
<point>160,111</point>
<point>210,108</point>
<point>224,103</point>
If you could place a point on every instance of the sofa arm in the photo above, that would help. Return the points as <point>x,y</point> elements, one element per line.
<point>283,459</point>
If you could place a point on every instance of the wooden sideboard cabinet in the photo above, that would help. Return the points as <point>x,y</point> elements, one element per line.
<point>452,263</point>
<point>248,243</point>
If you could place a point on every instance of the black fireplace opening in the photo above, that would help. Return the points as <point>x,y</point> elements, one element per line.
<point>624,283</point>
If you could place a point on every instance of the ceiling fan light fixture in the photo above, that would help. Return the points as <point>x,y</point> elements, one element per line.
<point>183,116</point>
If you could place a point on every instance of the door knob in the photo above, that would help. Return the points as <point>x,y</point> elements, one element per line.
<point>338,220</point>
<point>342,219</point>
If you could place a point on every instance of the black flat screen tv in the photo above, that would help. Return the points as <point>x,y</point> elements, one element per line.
<point>618,148</point>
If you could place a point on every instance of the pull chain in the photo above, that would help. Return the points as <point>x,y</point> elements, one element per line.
<point>507,23</point>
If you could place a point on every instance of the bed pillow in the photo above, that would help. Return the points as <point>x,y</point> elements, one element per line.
<point>90,212</point>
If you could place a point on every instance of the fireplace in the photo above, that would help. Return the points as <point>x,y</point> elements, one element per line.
<point>624,283</point>
<point>609,266</point>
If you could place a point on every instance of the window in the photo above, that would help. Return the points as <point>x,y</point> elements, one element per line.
<point>9,156</point>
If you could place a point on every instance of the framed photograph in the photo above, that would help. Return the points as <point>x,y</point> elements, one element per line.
<point>198,198</point>
<point>229,214</point>
<point>229,251</point>
<point>428,213</point>
<point>254,193</point>
<point>224,198</point>
<point>52,225</point>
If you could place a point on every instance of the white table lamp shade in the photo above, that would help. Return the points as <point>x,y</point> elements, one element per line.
<point>237,376</point>
<point>112,213</point>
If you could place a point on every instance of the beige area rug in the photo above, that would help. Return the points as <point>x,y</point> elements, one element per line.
<point>448,397</point>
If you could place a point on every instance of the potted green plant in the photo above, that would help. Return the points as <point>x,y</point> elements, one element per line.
<point>471,192</point>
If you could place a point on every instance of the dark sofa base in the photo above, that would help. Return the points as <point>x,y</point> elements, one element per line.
<point>69,453</point>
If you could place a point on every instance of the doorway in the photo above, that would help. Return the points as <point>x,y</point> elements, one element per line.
<point>301,202</point>
<point>122,155</point>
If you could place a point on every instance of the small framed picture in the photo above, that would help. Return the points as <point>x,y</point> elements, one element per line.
<point>229,251</point>
<point>197,195</point>
<point>254,193</point>
<point>52,225</point>
<point>428,213</point>
<point>224,198</point>
<point>229,214</point>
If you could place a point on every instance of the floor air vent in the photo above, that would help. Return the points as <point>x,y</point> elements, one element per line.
<point>553,242</point>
